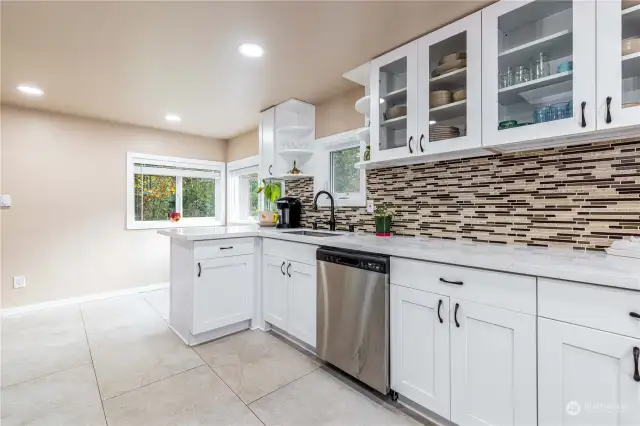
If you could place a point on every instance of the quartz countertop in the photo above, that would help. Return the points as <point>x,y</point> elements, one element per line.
<point>563,264</point>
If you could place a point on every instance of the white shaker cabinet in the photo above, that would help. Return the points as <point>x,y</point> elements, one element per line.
<point>618,91</point>
<point>274,281</point>
<point>393,86</point>
<point>440,70</point>
<point>266,142</point>
<point>558,98</point>
<point>587,376</point>
<point>420,348</point>
<point>493,366</point>
<point>301,301</point>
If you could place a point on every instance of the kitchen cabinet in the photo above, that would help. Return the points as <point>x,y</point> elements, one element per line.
<point>618,88</point>
<point>266,145</point>
<point>301,301</point>
<point>557,99</point>
<point>275,290</point>
<point>450,61</point>
<point>394,87</point>
<point>420,348</point>
<point>493,365</point>
<point>587,376</point>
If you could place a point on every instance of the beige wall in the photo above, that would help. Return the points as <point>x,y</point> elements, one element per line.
<point>66,229</point>
<point>243,146</point>
<point>338,114</point>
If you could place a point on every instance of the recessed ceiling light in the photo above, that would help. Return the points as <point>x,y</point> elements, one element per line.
<point>251,50</point>
<point>173,118</point>
<point>30,90</point>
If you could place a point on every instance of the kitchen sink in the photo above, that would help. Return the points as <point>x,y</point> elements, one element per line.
<point>313,233</point>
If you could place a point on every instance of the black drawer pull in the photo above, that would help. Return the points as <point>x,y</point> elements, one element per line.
<point>584,120</point>
<point>439,306</point>
<point>636,355</point>
<point>451,282</point>
<point>410,149</point>
<point>282,268</point>
<point>608,119</point>
<point>634,315</point>
<point>289,270</point>
<point>199,269</point>
<point>226,248</point>
<point>421,139</point>
<point>455,315</point>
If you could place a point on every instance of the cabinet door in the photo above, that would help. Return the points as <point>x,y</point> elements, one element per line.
<point>267,142</point>
<point>586,376</point>
<point>618,71</point>
<point>558,98</point>
<point>493,366</point>
<point>222,292</point>
<point>301,303</point>
<point>420,348</point>
<point>394,84</point>
<point>446,125</point>
<point>274,288</point>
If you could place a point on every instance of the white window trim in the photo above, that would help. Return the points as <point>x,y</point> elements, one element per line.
<point>250,163</point>
<point>132,223</point>
<point>323,172</point>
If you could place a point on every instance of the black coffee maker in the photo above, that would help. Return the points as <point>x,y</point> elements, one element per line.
<point>289,211</point>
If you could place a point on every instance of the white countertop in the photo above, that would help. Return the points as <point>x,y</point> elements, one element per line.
<point>564,264</point>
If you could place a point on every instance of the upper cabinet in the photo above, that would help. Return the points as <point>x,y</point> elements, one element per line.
<point>394,103</point>
<point>618,41</point>
<point>538,70</point>
<point>449,87</point>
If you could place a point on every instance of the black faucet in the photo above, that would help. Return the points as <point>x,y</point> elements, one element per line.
<point>332,220</point>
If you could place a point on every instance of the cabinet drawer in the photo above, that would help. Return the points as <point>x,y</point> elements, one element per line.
<point>223,248</point>
<point>509,291</point>
<point>602,308</point>
<point>297,252</point>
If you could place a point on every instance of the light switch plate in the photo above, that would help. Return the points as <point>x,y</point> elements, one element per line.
<point>19,282</point>
<point>369,206</point>
<point>5,200</point>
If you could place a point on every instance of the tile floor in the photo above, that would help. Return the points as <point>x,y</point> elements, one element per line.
<point>115,362</point>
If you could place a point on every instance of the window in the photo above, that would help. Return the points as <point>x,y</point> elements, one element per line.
<point>159,186</point>
<point>244,200</point>
<point>336,171</point>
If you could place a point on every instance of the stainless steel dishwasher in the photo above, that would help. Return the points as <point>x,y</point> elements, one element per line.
<point>353,314</point>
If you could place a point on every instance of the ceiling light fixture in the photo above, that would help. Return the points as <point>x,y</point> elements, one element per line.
<point>30,90</point>
<point>251,50</point>
<point>173,118</point>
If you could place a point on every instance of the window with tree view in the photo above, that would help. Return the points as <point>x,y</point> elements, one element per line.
<point>243,192</point>
<point>345,178</point>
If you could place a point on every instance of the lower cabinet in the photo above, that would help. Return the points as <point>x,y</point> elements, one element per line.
<point>289,292</point>
<point>493,366</point>
<point>587,376</point>
<point>222,292</point>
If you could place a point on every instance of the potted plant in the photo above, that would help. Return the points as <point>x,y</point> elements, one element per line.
<point>383,218</point>
<point>271,192</point>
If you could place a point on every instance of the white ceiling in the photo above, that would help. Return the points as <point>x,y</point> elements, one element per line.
<point>134,62</point>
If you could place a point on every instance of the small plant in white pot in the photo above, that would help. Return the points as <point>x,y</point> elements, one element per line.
<point>271,192</point>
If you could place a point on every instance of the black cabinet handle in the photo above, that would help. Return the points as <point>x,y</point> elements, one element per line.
<point>455,315</point>
<point>282,268</point>
<point>608,120</point>
<point>410,149</point>
<point>634,315</point>
<point>289,270</point>
<point>451,282</point>
<point>271,174</point>
<point>421,139</point>
<point>584,120</point>
<point>439,306</point>
<point>636,355</point>
<point>199,269</point>
<point>226,248</point>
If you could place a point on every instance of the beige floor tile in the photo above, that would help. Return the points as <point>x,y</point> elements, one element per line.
<point>65,398</point>
<point>133,347</point>
<point>159,300</point>
<point>321,399</point>
<point>38,343</point>
<point>254,363</point>
<point>196,397</point>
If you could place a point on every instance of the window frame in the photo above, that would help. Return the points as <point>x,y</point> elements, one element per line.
<point>220,190</point>
<point>252,166</point>
<point>323,179</point>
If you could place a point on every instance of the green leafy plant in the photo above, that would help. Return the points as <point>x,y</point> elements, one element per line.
<point>382,211</point>
<point>271,191</point>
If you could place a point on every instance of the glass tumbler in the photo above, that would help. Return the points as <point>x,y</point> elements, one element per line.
<point>540,115</point>
<point>522,74</point>
<point>503,80</point>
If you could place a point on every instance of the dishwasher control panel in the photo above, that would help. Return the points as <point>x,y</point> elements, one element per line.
<point>354,259</point>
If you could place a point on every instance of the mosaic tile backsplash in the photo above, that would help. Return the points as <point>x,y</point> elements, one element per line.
<point>583,197</point>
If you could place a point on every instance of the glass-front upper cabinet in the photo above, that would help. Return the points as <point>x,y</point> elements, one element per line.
<point>618,63</point>
<point>393,93</point>
<point>450,87</point>
<point>538,67</point>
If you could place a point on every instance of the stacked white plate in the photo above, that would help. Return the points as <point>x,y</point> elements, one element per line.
<point>438,133</point>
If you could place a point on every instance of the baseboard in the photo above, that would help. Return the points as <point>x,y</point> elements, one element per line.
<point>82,299</point>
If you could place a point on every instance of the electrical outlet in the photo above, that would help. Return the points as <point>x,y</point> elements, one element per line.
<point>369,206</point>
<point>19,282</point>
